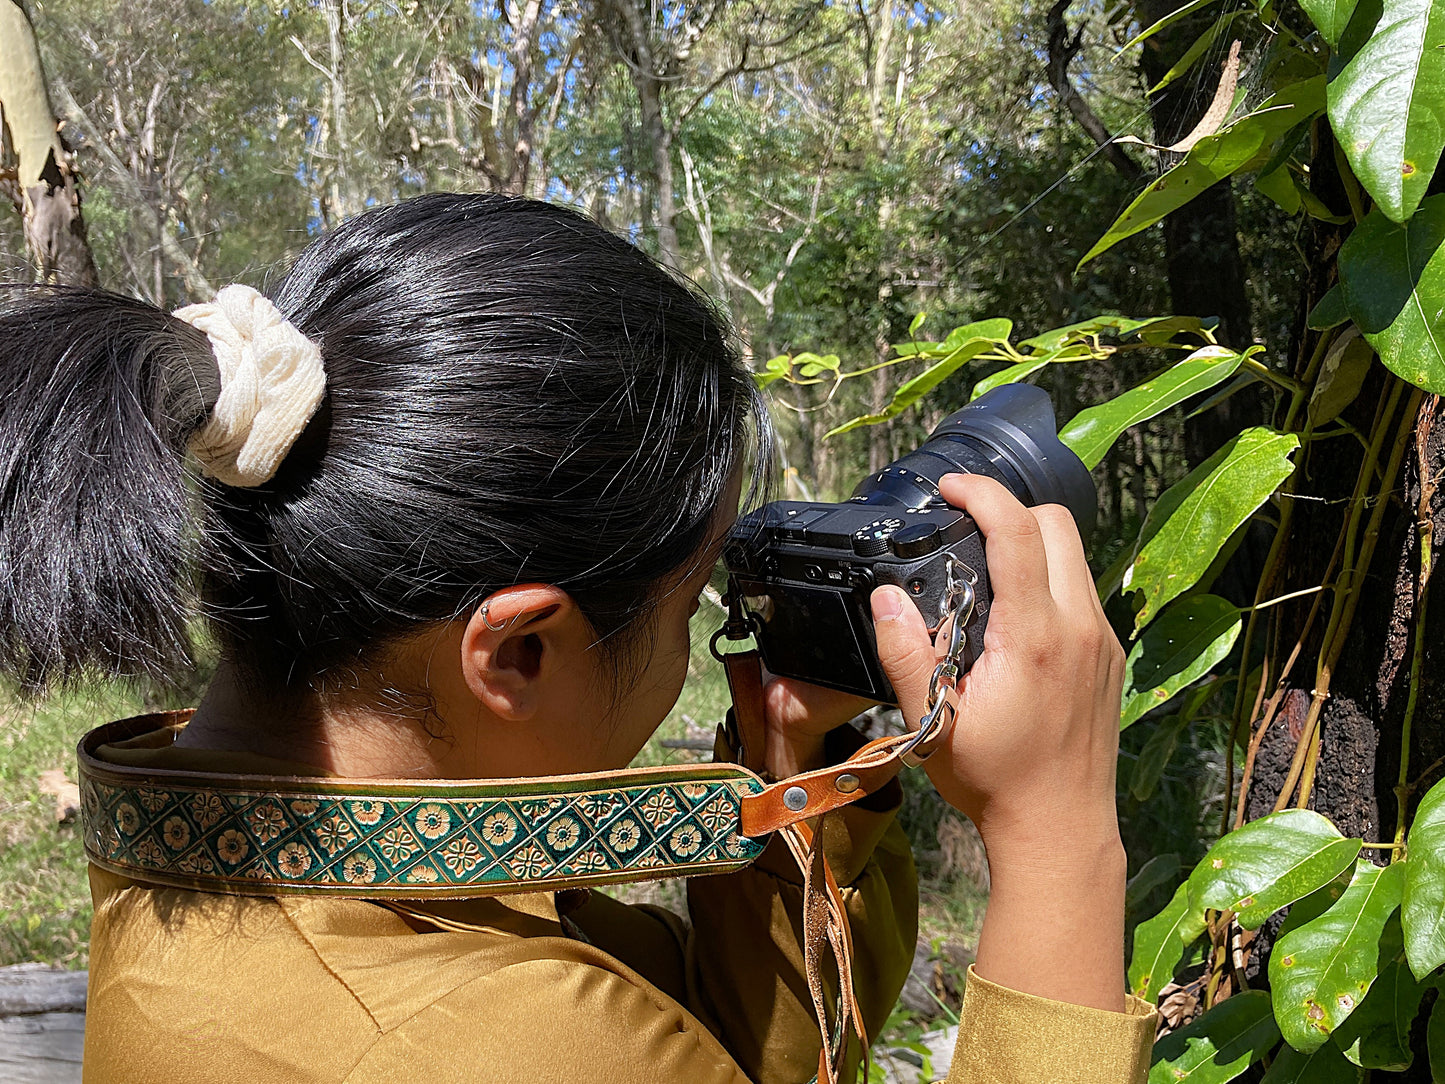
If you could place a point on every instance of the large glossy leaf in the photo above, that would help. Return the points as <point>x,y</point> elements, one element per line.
<point>1394,283</point>
<point>1331,16</point>
<point>1175,651</point>
<point>1244,143</point>
<point>1422,911</point>
<point>1387,106</point>
<point>1324,1065</point>
<point>1091,432</point>
<point>1218,1046</point>
<point>1194,518</point>
<point>1377,1034</point>
<point>1159,944</point>
<point>1320,971</point>
<point>1269,863</point>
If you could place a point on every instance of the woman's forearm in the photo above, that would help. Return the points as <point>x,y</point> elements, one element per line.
<point>1055,920</point>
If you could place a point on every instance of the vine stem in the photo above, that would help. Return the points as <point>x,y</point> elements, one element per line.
<point>1347,598</point>
<point>1298,399</point>
<point>1425,525</point>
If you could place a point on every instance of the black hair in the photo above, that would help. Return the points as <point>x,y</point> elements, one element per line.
<point>513,395</point>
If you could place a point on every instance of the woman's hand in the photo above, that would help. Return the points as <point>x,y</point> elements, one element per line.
<point>799,716</point>
<point>1032,756</point>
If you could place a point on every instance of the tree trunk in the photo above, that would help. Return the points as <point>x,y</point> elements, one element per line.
<point>1362,722</point>
<point>43,184</point>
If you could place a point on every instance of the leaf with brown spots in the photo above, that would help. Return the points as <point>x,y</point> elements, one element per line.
<point>1335,957</point>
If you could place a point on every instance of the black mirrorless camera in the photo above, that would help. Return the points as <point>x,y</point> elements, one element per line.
<point>805,570</point>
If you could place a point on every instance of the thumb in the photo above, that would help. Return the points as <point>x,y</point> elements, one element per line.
<point>904,648</point>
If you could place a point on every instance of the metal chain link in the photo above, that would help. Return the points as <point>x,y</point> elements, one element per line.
<point>958,603</point>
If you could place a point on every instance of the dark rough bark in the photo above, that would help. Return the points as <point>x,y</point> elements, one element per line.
<point>1361,725</point>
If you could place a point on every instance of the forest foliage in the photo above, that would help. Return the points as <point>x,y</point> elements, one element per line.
<point>1213,229</point>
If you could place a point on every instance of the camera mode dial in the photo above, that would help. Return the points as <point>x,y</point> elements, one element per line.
<point>872,540</point>
<point>916,540</point>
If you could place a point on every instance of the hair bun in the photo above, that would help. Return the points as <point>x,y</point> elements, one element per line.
<point>272,381</point>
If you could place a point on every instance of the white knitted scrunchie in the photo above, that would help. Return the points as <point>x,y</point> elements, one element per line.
<point>272,381</point>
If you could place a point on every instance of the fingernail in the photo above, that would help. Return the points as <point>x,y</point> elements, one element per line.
<point>887,604</point>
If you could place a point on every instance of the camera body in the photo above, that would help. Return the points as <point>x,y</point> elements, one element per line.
<point>805,570</point>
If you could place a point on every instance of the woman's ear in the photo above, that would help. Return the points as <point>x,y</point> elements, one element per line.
<point>515,639</point>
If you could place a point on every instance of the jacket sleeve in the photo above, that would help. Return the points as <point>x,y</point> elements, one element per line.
<point>744,951</point>
<point>1008,1037</point>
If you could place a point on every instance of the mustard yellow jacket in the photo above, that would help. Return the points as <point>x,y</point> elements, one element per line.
<point>574,986</point>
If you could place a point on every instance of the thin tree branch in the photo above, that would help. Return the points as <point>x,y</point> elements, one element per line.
<point>1062,50</point>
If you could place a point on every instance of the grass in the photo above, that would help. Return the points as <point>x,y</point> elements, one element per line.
<point>44,897</point>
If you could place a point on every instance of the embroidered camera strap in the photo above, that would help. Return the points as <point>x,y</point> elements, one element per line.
<point>256,835</point>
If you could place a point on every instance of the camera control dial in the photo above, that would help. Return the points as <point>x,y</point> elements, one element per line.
<point>915,540</point>
<point>872,540</point>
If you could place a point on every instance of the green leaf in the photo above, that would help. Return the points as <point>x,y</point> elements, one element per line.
<point>1320,971</point>
<point>1012,375</point>
<point>1196,516</point>
<point>1218,1046</point>
<point>1242,144</point>
<point>1435,1040</point>
<point>1269,863</point>
<point>1161,330</point>
<point>1330,310</point>
<point>1049,341</point>
<point>774,369</point>
<point>1278,185</point>
<point>1331,16</point>
<point>1152,874</point>
<point>1324,1065</point>
<point>1377,1034</point>
<point>915,389</point>
<point>1422,911</point>
<point>1159,945</point>
<point>916,323</point>
<point>1198,49</point>
<point>1387,106</point>
<point>1175,651</point>
<point>1342,375</point>
<point>1158,750</point>
<point>1181,12</point>
<point>810,365</point>
<point>1090,433</point>
<point>1394,282</point>
<point>996,330</point>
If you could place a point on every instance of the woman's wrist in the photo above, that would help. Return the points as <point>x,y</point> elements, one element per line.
<point>790,754</point>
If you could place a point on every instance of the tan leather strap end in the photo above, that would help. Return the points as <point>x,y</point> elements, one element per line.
<point>814,793</point>
<point>745,683</point>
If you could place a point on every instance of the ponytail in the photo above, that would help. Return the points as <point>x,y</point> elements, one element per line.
<point>98,396</point>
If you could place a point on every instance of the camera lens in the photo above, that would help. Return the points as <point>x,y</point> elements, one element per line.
<point>1008,434</point>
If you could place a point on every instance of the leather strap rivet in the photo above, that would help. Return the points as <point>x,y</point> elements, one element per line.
<point>795,798</point>
<point>847,783</point>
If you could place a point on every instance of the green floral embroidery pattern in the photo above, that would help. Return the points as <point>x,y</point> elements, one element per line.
<point>517,837</point>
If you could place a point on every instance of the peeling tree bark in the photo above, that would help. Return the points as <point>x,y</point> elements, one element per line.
<point>37,172</point>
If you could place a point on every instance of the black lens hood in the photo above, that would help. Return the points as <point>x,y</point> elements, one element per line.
<point>1016,423</point>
